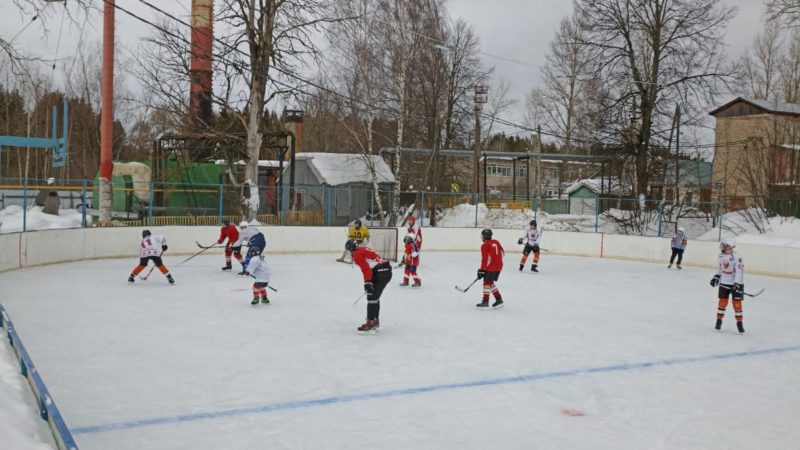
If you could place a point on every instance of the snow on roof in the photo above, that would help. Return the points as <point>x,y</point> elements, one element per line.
<point>261,163</point>
<point>610,185</point>
<point>767,105</point>
<point>791,146</point>
<point>335,169</point>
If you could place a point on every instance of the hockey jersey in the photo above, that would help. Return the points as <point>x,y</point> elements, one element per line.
<point>152,245</point>
<point>366,259</point>
<point>258,269</point>
<point>532,236</point>
<point>230,232</point>
<point>412,254</point>
<point>359,234</point>
<point>245,235</point>
<point>492,256</point>
<point>731,269</point>
<point>415,231</point>
<point>679,241</point>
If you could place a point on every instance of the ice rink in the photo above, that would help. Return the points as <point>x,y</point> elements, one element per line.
<point>587,354</point>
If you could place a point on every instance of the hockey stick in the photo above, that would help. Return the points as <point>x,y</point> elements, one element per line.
<point>196,254</point>
<point>754,295</point>
<point>208,246</point>
<point>462,290</point>
<point>270,287</point>
<point>359,298</point>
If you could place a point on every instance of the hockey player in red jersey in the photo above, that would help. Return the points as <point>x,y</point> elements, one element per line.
<point>491,264</point>
<point>415,231</point>
<point>411,261</point>
<point>730,279</point>
<point>231,233</point>
<point>377,274</point>
<point>150,249</point>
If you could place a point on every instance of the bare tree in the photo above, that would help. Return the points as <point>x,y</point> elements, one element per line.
<point>653,54</point>
<point>789,69</point>
<point>761,61</point>
<point>787,9</point>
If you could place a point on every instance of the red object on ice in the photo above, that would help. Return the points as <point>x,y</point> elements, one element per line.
<point>573,412</point>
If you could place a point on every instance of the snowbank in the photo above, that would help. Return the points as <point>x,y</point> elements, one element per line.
<point>20,425</point>
<point>11,219</point>
<point>778,231</point>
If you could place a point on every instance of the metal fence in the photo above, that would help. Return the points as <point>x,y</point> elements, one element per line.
<point>158,203</point>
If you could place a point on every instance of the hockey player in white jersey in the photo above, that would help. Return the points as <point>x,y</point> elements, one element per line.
<point>257,268</point>
<point>151,249</point>
<point>531,239</point>
<point>730,279</point>
<point>246,232</point>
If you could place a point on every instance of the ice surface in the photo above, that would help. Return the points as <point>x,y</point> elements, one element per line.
<point>629,345</point>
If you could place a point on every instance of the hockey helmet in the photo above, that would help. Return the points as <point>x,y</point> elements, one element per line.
<point>350,245</point>
<point>408,239</point>
<point>243,224</point>
<point>226,222</point>
<point>255,251</point>
<point>411,219</point>
<point>727,243</point>
<point>533,223</point>
<point>357,223</point>
<point>681,230</point>
<point>486,234</point>
<point>145,233</point>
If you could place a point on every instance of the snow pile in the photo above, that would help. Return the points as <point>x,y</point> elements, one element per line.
<point>20,425</point>
<point>461,216</point>
<point>11,219</point>
<point>778,231</point>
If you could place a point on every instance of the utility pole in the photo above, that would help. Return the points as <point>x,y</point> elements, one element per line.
<point>538,169</point>
<point>107,112</point>
<point>677,153</point>
<point>481,97</point>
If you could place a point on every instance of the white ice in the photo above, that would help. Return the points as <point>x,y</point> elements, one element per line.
<point>626,347</point>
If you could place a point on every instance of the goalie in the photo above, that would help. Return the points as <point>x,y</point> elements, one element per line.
<point>357,233</point>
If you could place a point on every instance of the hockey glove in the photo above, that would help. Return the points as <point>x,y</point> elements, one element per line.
<point>535,248</point>
<point>714,281</point>
<point>219,241</point>
<point>237,249</point>
<point>519,241</point>
<point>163,248</point>
<point>369,288</point>
<point>481,273</point>
<point>738,289</point>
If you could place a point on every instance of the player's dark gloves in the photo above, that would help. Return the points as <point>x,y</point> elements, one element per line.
<point>535,248</point>
<point>219,241</point>
<point>714,281</point>
<point>163,248</point>
<point>369,288</point>
<point>738,289</point>
<point>237,249</point>
<point>519,241</point>
<point>481,273</point>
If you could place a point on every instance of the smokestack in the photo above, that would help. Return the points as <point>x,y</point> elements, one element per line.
<point>293,120</point>
<point>200,65</point>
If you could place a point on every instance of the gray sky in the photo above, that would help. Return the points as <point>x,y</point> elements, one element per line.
<point>510,29</point>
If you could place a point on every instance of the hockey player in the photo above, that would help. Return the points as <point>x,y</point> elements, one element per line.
<point>415,231</point>
<point>679,242</point>
<point>151,249</point>
<point>491,264</point>
<point>377,274</point>
<point>359,234</point>
<point>257,268</point>
<point>411,261</point>
<point>245,233</point>
<point>257,242</point>
<point>730,279</point>
<point>531,239</point>
<point>231,233</point>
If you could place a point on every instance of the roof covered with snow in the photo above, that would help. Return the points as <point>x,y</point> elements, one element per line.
<point>261,163</point>
<point>609,186</point>
<point>767,105</point>
<point>335,169</point>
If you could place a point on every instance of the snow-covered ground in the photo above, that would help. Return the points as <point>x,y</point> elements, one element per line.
<point>587,354</point>
<point>11,219</point>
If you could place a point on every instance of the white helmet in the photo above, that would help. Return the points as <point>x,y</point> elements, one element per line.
<point>727,243</point>
<point>681,229</point>
<point>243,224</point>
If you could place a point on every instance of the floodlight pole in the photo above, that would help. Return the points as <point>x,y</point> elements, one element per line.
<point>107,112</point>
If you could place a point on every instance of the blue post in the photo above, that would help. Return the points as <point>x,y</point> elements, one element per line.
<point>83,205</point>
<point>284,200</point>
<point>422,209</point>
<point>219,210</point>
<point>25,205</point>
<point>660,215</point>
<point>150,206</point>
<point>596,213</point>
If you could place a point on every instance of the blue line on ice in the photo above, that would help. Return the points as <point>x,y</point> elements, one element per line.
<point>300,404</point>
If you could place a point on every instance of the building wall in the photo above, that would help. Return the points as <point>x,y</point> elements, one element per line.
<point>553,173</point>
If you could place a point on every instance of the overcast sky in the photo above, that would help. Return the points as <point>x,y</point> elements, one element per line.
<point>517,30</point>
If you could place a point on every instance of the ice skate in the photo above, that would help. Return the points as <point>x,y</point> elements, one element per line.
<point>265,300</point>
<point>534,268</point>
<point>244,273</point>
<point>417,283</point>
<point>255,301</point>
<point>740,326</point>
<point>170,279</point>
<point>669,266</point>
<point>483,306</point>
<point>227,267</point>
<point>521,266</point>
<point>498,303</point>
<point>131,279</point>
<point>718,325</point>
<point>679,267</point>
<point>404,283</point>
<point>369,327</point>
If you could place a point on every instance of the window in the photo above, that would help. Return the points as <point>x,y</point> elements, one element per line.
<point>522,171</point>
<point>496,170</point>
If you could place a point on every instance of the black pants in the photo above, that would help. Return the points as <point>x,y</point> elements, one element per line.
<point>676,251</point>
<point>381,276</point>
<point>156,260</point>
